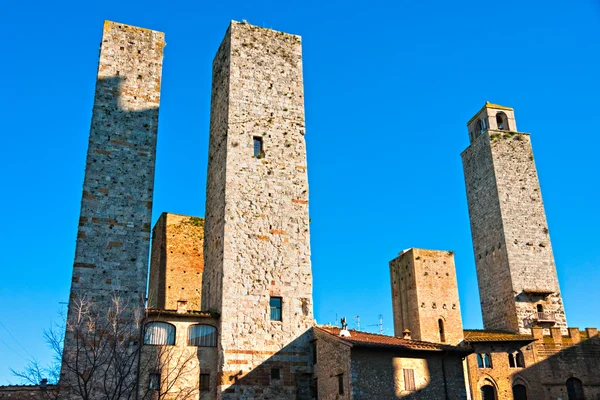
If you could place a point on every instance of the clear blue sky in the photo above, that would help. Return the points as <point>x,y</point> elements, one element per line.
<point>389,88</point>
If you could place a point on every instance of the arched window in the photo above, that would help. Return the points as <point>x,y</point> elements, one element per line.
<point>484,360</point>
<point>519,392</point>
<point>502,121</point>
<point>488,392</point>
<point>442,331</point>
<point>516,359</point>
<point>575,389</point>
<point>159,333</point>
<point>202,335</point>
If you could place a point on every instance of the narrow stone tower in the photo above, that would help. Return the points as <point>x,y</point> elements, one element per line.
<point>425,296</point>
<point>111,256</point>
<point>517,277</point>
<point>257,254</point>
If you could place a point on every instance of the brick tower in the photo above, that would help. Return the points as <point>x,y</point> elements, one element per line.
<point>111,256</point>
<point>177,263</point>
<point>425,296</point>
<point>517,277</point>
<point>257,254</point>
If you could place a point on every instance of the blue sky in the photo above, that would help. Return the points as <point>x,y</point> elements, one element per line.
<point>389,87</point>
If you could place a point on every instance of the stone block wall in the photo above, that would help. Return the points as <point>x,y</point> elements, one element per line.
<point>425,291</point>
<point>333,359</point>
<point>378,374</point>
<point>548,362</point>
<point>114,226</point>
<point>257,234</point>
<point>177,262</point>
<point>513,253</point>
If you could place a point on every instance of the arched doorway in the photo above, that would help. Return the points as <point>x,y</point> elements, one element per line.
<point>488,392</point>
<point>575,389</point>
<point>519,392</point>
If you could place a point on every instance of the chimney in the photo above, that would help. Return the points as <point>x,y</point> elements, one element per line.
<point>406,334</point>
<point>43,383</point>
<point>181,306</point>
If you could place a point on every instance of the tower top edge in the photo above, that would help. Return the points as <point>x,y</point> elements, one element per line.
<point>489,105</point>
<point>109,25</point>
<point>251,26</point>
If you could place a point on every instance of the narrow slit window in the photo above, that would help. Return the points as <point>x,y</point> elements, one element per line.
<point>341,384</point>
<point>275,374</point>
<point>275,304</point>
<point>258,147</point>
<point>442,331</point>
<point>204,381</point>
<point>409,380</point>
<point>154,381</point>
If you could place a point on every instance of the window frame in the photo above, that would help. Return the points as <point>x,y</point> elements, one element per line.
<point>154,381</point>
<point>409,379</point>
<point>214,335</point>
<point>261,147</point>
<point>340,384</point>
<point>484,360</point>
<point>275,308</point>
<point>170,335</point>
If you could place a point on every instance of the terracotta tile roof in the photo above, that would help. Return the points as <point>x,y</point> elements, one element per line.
<point>358,338</point>
<point>480,335</point>
<point>174,313</point>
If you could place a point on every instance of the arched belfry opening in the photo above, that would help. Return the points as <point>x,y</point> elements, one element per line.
<point>502,121</point>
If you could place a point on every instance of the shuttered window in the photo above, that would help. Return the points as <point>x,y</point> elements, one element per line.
<point>159,333</point>
<point>202,336</point>
<point>409,380</point>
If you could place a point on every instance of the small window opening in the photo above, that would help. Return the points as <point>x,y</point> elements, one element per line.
<point>442,332</point>
<point>540,308</point>
<point>314,351</point>
<point>204,381</point>
<point>409,380</point>
<point>478,127</point>
<point>154,381</point>
<point>516,360</point>
<point>341,384</point>
<point>258,147</point>
<point>275,373</point>
<point>484,360</point>
<point>275,304</point>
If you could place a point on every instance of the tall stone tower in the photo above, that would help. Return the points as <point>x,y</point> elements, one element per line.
<point>425,296</point>
<point>517,277</point>
<point>111,255</point>
<point>257,253</point>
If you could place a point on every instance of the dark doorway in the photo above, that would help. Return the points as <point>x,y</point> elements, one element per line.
<point>488,392</point>
<point>575,389</point>
<point>520,392</point>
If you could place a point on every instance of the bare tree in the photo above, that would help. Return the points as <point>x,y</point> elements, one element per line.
<point>99,354</point>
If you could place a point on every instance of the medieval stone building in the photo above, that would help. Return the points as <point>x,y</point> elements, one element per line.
<point>229,310</point>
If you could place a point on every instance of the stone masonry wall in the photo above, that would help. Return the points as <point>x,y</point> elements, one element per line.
<point>177,262</point>
<point>377,374</point>
<point>425,290</point>
<point>333,359</point>
<point>114,227</point>
<point>257,234</point>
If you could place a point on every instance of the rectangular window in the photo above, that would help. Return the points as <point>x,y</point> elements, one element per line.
<point>275,304</point>
<point>314,389</point>
<point>409,380</point>
<point>154,382</point>
<point>258,147</point>
<point>314,351</point>
<point>275,373</point>
<point>204,381</point>
<point>341,384</point>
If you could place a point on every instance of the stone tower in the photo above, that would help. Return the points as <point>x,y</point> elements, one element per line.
<point>425,296</point>
<point>257,252</point>
<point>517,277</point>
<point>111,256</point>
<point>176,263</point>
